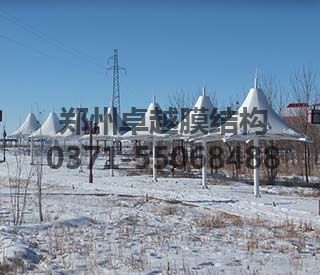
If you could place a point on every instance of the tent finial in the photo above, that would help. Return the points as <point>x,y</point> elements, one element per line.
<point>256,79</point>
<point>154,97</point>
<point>203,89</point>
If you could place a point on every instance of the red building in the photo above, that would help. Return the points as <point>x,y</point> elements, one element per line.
<point>294,112</point>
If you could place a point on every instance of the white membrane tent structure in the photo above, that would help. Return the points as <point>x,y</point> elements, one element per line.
<point>30,125</point>
<point>200,114</point>
<point>108,131</point>
<point>275,127</point>
<point>150,120</point>
<point>203,107</point>
<point>72,131</point>
<point>49,128</point>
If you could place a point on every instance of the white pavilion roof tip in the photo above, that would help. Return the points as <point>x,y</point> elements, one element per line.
<point>30,125</point>
<point>151,124</point>
<point>74,128</point>
<point>49,128</point>
<point>260,120</point>
<point>201,113</point>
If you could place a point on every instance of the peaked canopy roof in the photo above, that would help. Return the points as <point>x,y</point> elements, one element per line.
<point>276,128</point>
<point>150,126</point>
<point>113,131</point>
<point>49,128</point>
<point>71,131</point>
<point>30,125</point>
<point>201,112</point>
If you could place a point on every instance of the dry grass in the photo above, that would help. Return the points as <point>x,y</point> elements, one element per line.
<point>306,226</point>
<point>317,233</point>
<point>135,241</point>
<point>132,173</point>
<point>234,220</point>
<point>252,244</point>
<point>256,222</point>
<point>223,219</point>
<point>169,210</point>
<point>282,237</point>
<point>211,222</point>
<point>222,181</point>
<point>287,229</point>
<point>300,193</point>
<point>17,266</point>
<point>4,267</point>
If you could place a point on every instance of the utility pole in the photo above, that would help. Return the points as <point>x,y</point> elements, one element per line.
<point>4,139</point>
<point>116,82</point>
<point>91,157</point>
<point>116,103</point>
<point>4,144</point>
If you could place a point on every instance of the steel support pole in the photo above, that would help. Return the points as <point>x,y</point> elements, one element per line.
<point>154,162</point>
<point>256,168</point>
<point>80,156</point>
<point>91,158</point>
<point>111,159</point>
<point>31,152</point>
<point>4,143</point>
<point>204,165</point>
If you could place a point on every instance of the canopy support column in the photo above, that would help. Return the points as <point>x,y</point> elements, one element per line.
<point>154,162</point>
<point>31,152</point>
<point>80,157</point>
<point>204,165</point>
<point>90,155</point>
<point>53,156</point>
<point>111,159</point>
<point>256,168</point>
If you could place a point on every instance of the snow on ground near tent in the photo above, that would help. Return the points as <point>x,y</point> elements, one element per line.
<point>110,226</point>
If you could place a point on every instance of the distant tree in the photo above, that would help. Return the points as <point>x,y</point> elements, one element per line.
<point>183,99</point>
<point>39,178</point>
<point>304,90</point>
<point>18,186</point>
<point>274,93</point>
<point>273,90</point>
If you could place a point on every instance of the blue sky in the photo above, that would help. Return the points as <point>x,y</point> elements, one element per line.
<point>54,53</point>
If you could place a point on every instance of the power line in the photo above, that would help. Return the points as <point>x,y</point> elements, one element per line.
<point>41,35</point>
<point>21,44</point>
<point>12,40</point>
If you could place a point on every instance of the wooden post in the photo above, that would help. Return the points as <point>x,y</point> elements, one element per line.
<point>111,157</point>
<point>204,165</point>
<point>91,158</point>
<point>4,145</point>
<point>154,161</point>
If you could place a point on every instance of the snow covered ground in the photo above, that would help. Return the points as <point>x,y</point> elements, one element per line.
<point>130,225</point>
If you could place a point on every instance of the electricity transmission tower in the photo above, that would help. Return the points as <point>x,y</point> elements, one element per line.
<point>116,81</point>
